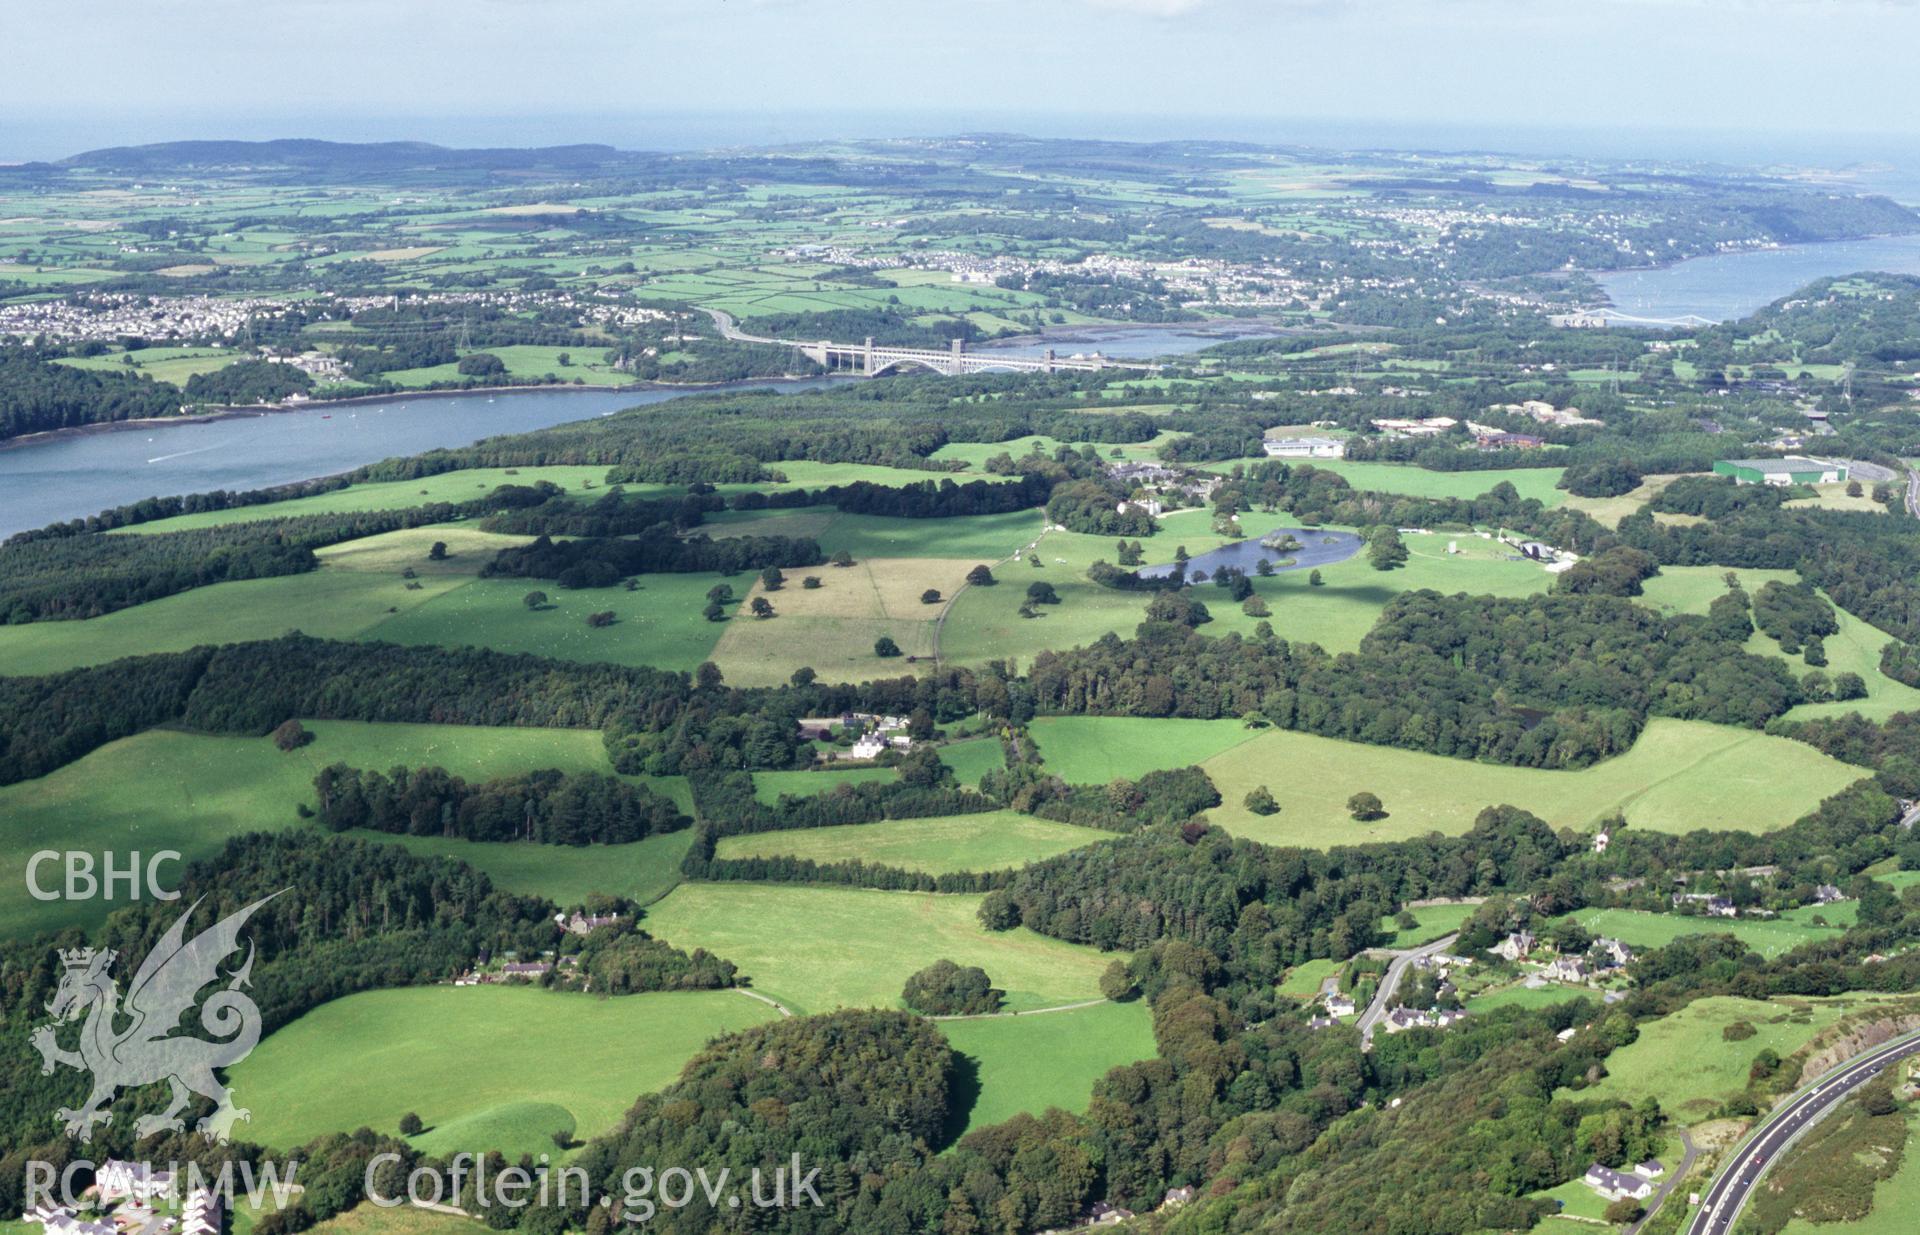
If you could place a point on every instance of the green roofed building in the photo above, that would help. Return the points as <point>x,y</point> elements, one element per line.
<point>1792,470</point>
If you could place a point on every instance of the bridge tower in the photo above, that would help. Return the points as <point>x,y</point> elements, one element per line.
<point>866,358</point>
<point>1048,362</point>
<point>958,366</point>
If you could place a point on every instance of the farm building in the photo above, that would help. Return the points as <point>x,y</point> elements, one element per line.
<point>1304,448</point>
<point>1792,470</point>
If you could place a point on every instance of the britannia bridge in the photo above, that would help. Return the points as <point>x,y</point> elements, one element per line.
<point>871,360</point>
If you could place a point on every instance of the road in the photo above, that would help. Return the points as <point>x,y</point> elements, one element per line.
<point>1396,970</point>
<point>1729,1193</point>
<point>1913,492</point>
<point>1689,1153</point>
<point>728,330</point>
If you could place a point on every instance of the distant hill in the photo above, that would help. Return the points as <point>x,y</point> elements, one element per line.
<point>340,158</point>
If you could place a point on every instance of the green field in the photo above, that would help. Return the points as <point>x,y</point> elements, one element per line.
<point>1094,750</point>
<point>643,870</point>
<point>1303,980</point>
<point>190,792</point>
<point>1518,996</point>
<point>1406,478</point>
<point>770,787</point>
<point>990,840</point>
<point>1433,921</point>
<point>815,949</point>
<point>1030,1063</point>
<point>1682,1060</point>
<point>973,758</point>
<point>1681,775</point>
<point>658,624</point>
<point>501,1064</point>
<point>1768,937</point>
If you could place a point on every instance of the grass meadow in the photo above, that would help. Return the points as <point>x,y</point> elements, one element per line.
<point>815,948</point>
<point>190,792</point>
<point>1031,1063</point>
<point>1768,937</point>
<point>1682,1060</point>
<point>1680,775</point>
<point>468,1061</point>
<point>989,840</point>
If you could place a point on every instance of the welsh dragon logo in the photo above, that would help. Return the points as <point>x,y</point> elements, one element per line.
<point>146,1049</point>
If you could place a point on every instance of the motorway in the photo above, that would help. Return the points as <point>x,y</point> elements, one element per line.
<point>1396,970</point>
<point>1913,492</point>
<point>1729,1193</point>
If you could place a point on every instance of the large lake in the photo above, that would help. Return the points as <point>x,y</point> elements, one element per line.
<point>1732,285</point>
<point>1318,547</point>
<point>71,476</point>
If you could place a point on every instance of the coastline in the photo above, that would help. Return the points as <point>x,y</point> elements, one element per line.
<point>240,411</point>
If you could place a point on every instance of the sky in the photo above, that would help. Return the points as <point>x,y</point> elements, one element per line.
<point>683,73</point>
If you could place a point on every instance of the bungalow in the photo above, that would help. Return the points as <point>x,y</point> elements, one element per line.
<point>529,970</point>
<point>1613,1185</point>
<point>1339,1005</point>
<point>1517,946</point>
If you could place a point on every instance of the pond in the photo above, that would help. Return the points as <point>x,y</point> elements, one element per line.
<point>1318,547</point>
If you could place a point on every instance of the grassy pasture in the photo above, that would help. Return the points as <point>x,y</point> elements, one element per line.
<point>833,627</point>
<point>973,758</point>
<point>990,840</point>
<point>769,786</point>
<point>1414,481</point>
<point>190,792</point>
<point>1031,1063</point>
<point>642,870</point>
<point>459,1057</point>
<point>1768,937</point>
<point>463,486</point>
<point>815,948</point>
<point>1610,510</point>
<point>1679,776</point>
<point>658,624</point>
<point>1682,1060</point>
<point>1433,921</point>
<point>400,1220</point>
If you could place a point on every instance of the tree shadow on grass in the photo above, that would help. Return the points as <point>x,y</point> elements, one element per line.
<point>963,1092</point>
